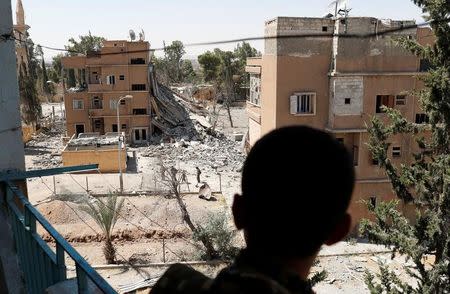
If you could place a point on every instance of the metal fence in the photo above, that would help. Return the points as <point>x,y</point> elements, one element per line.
<point>41,266</point>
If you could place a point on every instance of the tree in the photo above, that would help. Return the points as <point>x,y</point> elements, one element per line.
<point>43,73</point>
<point>210,63</point>
<point>105,214</point>
<point>55,71</point>
<point>187,71</point>
<point>30,105</point>
<point>85,44</point>
<point>172,178</point>
<point>425,183</point>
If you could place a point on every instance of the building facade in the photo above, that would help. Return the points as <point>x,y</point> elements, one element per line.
<point>118,69</point>
<point>337,83</point>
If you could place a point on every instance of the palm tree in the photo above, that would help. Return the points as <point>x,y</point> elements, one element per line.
<point>105,214</point>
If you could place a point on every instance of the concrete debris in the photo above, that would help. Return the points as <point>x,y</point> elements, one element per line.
<point>89,141</point>
<point>214,152</point>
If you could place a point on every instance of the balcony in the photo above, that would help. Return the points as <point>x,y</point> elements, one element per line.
<point>41,266</point>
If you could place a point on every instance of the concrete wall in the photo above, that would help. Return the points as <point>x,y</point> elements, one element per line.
<point>106,159</point>
<point>12,155</point>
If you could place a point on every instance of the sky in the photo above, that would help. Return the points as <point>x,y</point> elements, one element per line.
<point>53,22</point>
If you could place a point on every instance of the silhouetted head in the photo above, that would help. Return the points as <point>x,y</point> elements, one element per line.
<point>297,184</point>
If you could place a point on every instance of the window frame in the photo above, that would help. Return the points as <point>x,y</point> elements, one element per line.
<point>78,100</point>
<point>402,100</point>
<point>396,151</point>
<point>312,104</point>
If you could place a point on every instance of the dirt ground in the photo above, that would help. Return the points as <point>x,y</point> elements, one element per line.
<point>150,229</point>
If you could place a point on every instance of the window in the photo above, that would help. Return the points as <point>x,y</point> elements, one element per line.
<point>137,61</point>
<point>384,100</point>
<point>373,201</point>
<point>425,65</point>
<point>422,118</point>
<point>400,100</point>
<point>139,111</point>
<point>341,140</point>
<point>324,29</point>
<point>255,89</point>
<point>78,104</point>
<point>97,123</point>
<point>123,102</point>
<point>121,77</point>
<point>124,126</point>
<point>114,128</point>
<point>138,87</point>
<point>396,151</point>
<point>303,103</point>
<point>347,100</point>
<point>113,104</point>
<point>110,80</point>
<point>97,103</point>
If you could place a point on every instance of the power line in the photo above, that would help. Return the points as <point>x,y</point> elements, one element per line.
<point>258,38</point>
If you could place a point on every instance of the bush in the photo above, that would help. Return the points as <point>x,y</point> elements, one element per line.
<point>217,230</point>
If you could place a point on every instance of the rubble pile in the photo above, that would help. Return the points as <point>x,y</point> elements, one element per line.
<point>214,152</point>
<point>46,148</point>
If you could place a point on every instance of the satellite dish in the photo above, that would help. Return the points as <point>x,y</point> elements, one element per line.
<point>142,35</point>
<point>132,35</point>
<point>338,5</point>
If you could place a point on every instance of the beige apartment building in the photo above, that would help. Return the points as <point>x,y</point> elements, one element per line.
<point>118,69</point>
<point>338,84</point>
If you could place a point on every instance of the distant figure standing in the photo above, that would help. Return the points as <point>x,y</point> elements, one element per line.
<point>199,172</point>
<point>297,183</point>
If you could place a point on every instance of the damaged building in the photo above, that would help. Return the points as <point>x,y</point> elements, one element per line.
<point>338,83</point>
<point>118,69</point>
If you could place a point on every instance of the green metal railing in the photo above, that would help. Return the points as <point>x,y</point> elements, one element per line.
<point>40,265</point>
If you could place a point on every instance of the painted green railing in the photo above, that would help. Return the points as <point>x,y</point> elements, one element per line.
<point>40,265</point>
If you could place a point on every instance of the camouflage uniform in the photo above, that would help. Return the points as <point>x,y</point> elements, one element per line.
<point>246,275</point>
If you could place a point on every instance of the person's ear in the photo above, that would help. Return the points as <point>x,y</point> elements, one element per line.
<point>340,231</point>
<point>239,213</point>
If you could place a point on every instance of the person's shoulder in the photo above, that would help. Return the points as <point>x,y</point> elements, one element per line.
<point>181,278</point>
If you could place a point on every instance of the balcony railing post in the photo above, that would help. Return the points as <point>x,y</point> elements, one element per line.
<point>60,263</point>
<point>81,281</point>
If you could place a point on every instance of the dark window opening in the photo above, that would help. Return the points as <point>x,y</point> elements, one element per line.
<point>341,140</point>
<point>137,61</point>
<point>79,129</point>
<point>97,103</point>
<point>348,100</point>
<point>324,29</point>
<point>139,111</point>
<point>114,128</point>
<point>422,118</point>
<point>138,87</point>
<point>400,100</point>
<point>121,77</point>
<point>384,100</point>
<point>396,152</point>
<point>144,134</point>
<point>137,135</point>
<point>122,102</point>
<point>425,65</point>
<point>124,126</point>
<point>373,201</point>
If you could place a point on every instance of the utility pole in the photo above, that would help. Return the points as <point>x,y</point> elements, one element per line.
<point>12,156</point>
